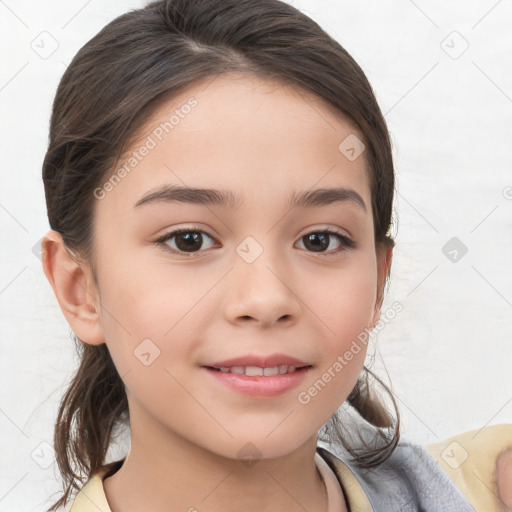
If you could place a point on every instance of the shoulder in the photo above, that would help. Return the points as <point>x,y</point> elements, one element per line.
<point>456,475</point>
<point>470,460</point>
<point>91,497</point>
<point>408,481</point>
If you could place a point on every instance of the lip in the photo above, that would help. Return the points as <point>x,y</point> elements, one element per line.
<point>260,361</point>
<point>259,386</point>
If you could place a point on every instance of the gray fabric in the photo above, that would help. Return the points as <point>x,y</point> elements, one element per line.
<point>411,480</point>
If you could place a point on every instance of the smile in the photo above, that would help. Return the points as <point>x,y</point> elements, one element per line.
<point>258,382</point>
<point>255,371</point>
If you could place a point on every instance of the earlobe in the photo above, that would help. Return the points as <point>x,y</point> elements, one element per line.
<point>74,289</point>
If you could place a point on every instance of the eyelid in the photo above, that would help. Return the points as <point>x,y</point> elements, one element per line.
<point>345,240</point>
<point>169,235</point>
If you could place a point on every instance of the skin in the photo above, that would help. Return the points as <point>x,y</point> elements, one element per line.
<point>504,479</point>
<point>258,139</point>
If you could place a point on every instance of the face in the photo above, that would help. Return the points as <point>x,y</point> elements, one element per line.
<point>254,276</point>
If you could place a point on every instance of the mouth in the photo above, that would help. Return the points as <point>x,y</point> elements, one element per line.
<point>273,364</point>
<point>258,371</point>
<point>259,377</point>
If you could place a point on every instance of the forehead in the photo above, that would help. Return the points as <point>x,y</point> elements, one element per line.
<point>244,133</point>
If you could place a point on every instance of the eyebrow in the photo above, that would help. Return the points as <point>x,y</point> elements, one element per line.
<point>210,197</point>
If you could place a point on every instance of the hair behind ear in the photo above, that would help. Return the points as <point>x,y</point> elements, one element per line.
<point>387,434</point>
<point>93,405</point>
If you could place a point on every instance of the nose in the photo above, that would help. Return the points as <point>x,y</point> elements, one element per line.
<point>262,293</point>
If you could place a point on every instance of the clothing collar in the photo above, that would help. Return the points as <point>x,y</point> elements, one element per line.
<point>333,470</point>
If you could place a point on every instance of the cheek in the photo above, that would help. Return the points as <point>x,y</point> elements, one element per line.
<point>345,302</point>
<point>343,356</point>
<point>148,329</point>
<point>148,302</point>
<point>150,321</point>
<point>347,309</point>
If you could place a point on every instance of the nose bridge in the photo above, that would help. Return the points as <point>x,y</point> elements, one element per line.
<point>258,283</point>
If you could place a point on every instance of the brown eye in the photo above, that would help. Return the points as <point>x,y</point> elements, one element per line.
<point>320,241</point>
<point>189,242</point>
<point>184,241</point>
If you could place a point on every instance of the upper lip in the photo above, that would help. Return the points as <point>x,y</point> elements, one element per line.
<point>260,361</point>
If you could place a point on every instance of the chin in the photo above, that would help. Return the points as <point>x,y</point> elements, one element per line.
<point>256,446</point>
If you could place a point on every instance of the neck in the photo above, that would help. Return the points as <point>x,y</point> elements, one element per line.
<point>164,472</point>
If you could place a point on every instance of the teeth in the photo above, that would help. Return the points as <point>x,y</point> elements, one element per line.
<point>256,371</point>
<point>253,371</point>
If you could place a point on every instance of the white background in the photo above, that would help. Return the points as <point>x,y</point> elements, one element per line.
<point>448,353</point>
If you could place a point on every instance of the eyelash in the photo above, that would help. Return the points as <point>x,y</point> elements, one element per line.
<point>345,242</point>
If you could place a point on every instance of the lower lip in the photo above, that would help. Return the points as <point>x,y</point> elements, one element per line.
<point>261,386</point>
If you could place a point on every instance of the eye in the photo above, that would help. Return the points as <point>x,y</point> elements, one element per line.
<point>320,241</point>
<point>187,240</point>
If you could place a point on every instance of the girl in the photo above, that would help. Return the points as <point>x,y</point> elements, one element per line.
<point>219,184</point>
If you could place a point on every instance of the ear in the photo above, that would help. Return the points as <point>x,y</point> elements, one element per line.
<point>384,258</point>
<point>74,288</point>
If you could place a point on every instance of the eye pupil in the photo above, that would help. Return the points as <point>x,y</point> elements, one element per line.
<point>320,241</point>
<point>193,241</point>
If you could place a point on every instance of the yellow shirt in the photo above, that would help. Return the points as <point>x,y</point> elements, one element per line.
<point>469,459</point>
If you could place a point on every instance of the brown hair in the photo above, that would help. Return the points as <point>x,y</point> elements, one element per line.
<point>103,98</point>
